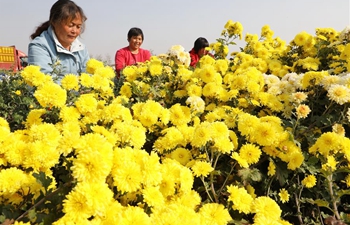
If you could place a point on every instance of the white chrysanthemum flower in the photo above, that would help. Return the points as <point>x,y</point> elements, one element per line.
<point>175,50</point>
<point>327,81</point>
<point>345,34</point>
<point>294,79</point>
<point>184,58</point>
<point>339,93</point>
<point>271,79</point>
<point>274,90</point>
<point>196,103</point>
<point>344,79</point>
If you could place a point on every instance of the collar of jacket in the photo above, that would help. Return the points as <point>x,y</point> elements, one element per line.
<point>75,46</point>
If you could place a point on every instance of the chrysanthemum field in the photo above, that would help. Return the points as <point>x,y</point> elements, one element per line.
<point>258,136</point>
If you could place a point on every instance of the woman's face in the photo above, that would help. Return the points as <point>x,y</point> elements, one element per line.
<point>202,52</point>
<point>68,31</point>
<point>135,42</point>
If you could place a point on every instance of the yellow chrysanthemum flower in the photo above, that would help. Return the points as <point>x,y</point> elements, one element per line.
<point>242,162</point>
<point>201,135</point>
<point>70,82</point>
<point>21,223</point>
<point>155,68</point>
<point>223,145</point>
<point>266,207</point>
<point>271,169</point>
<point>201,168</point>
<point>126,90</point>
<point>241,199</point>
<point>309,181</point>
<point>130,73</point>
<point>207,73</point>
<point>266,133</point>
<point>302,111</point>
<point>34,117</point>
<point>234,139</point>
<point>86,103</point>
<point>151,168</point>
<point>250,153</point>
<point>11,180</point>
<point>182,155</point>
<point>99,195</point>
<point>284,195</point>
<point>129,178</point>
<point>212,89</point>
<point>152,196</point>
<point>86,80</point>
<point>326,143</point>
<point>180,114</point>
<point>312,78</point>
<point>331,163</point>
<point>92,65</point>
<point>69,113</point>
<point>247,123</point>
<point>105,72</point>
<point>51,95</point>
<point>184,73</point>
<point>234,28</point>
<point>194,90</point>
<point>295,159</point>
<point>214,213</point>
<point>101,83</point>
<point>302,38</point>
<point>34,77</point>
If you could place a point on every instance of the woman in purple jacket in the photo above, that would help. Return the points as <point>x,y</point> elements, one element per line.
<point>132,54</point>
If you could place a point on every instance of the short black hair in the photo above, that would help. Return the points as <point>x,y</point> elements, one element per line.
<point>135,31</point>
<point>200,43</point>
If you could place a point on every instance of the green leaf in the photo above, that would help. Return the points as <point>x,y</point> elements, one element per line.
<point>252,174</point>
<point>340,193</point>
<point>318,202</point>
<point>2,218</point>
<point>321,203</point>
<point>32,214</point>
<point>42,179</point>
<point>255,175</point>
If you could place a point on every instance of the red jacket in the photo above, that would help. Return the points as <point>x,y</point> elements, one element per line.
<point>124,57</point>
<point>195,57</point>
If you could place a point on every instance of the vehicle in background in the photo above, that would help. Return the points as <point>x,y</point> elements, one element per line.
<point>12,59</point>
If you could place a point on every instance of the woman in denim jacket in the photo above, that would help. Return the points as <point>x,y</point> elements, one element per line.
<point>55,43</point>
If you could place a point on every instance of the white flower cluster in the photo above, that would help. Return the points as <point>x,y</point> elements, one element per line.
<point>196,103</point>
<point>181,55</point>
<point>345,34</point>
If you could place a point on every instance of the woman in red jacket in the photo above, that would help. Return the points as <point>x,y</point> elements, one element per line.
<point>198,50</point>
<point>133,53</point>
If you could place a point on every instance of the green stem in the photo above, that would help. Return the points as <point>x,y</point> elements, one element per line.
<point>328,107</point>
<point>206,189</point>
<point>42,200</point>
<point>334,202</point>
<point>227,177</point>
<point>297,197</point>
<point>212,179</point>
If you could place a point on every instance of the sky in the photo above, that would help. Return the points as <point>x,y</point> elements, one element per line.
<point>179,22</point>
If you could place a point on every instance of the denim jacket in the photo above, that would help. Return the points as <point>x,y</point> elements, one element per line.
<point>46,49</point>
